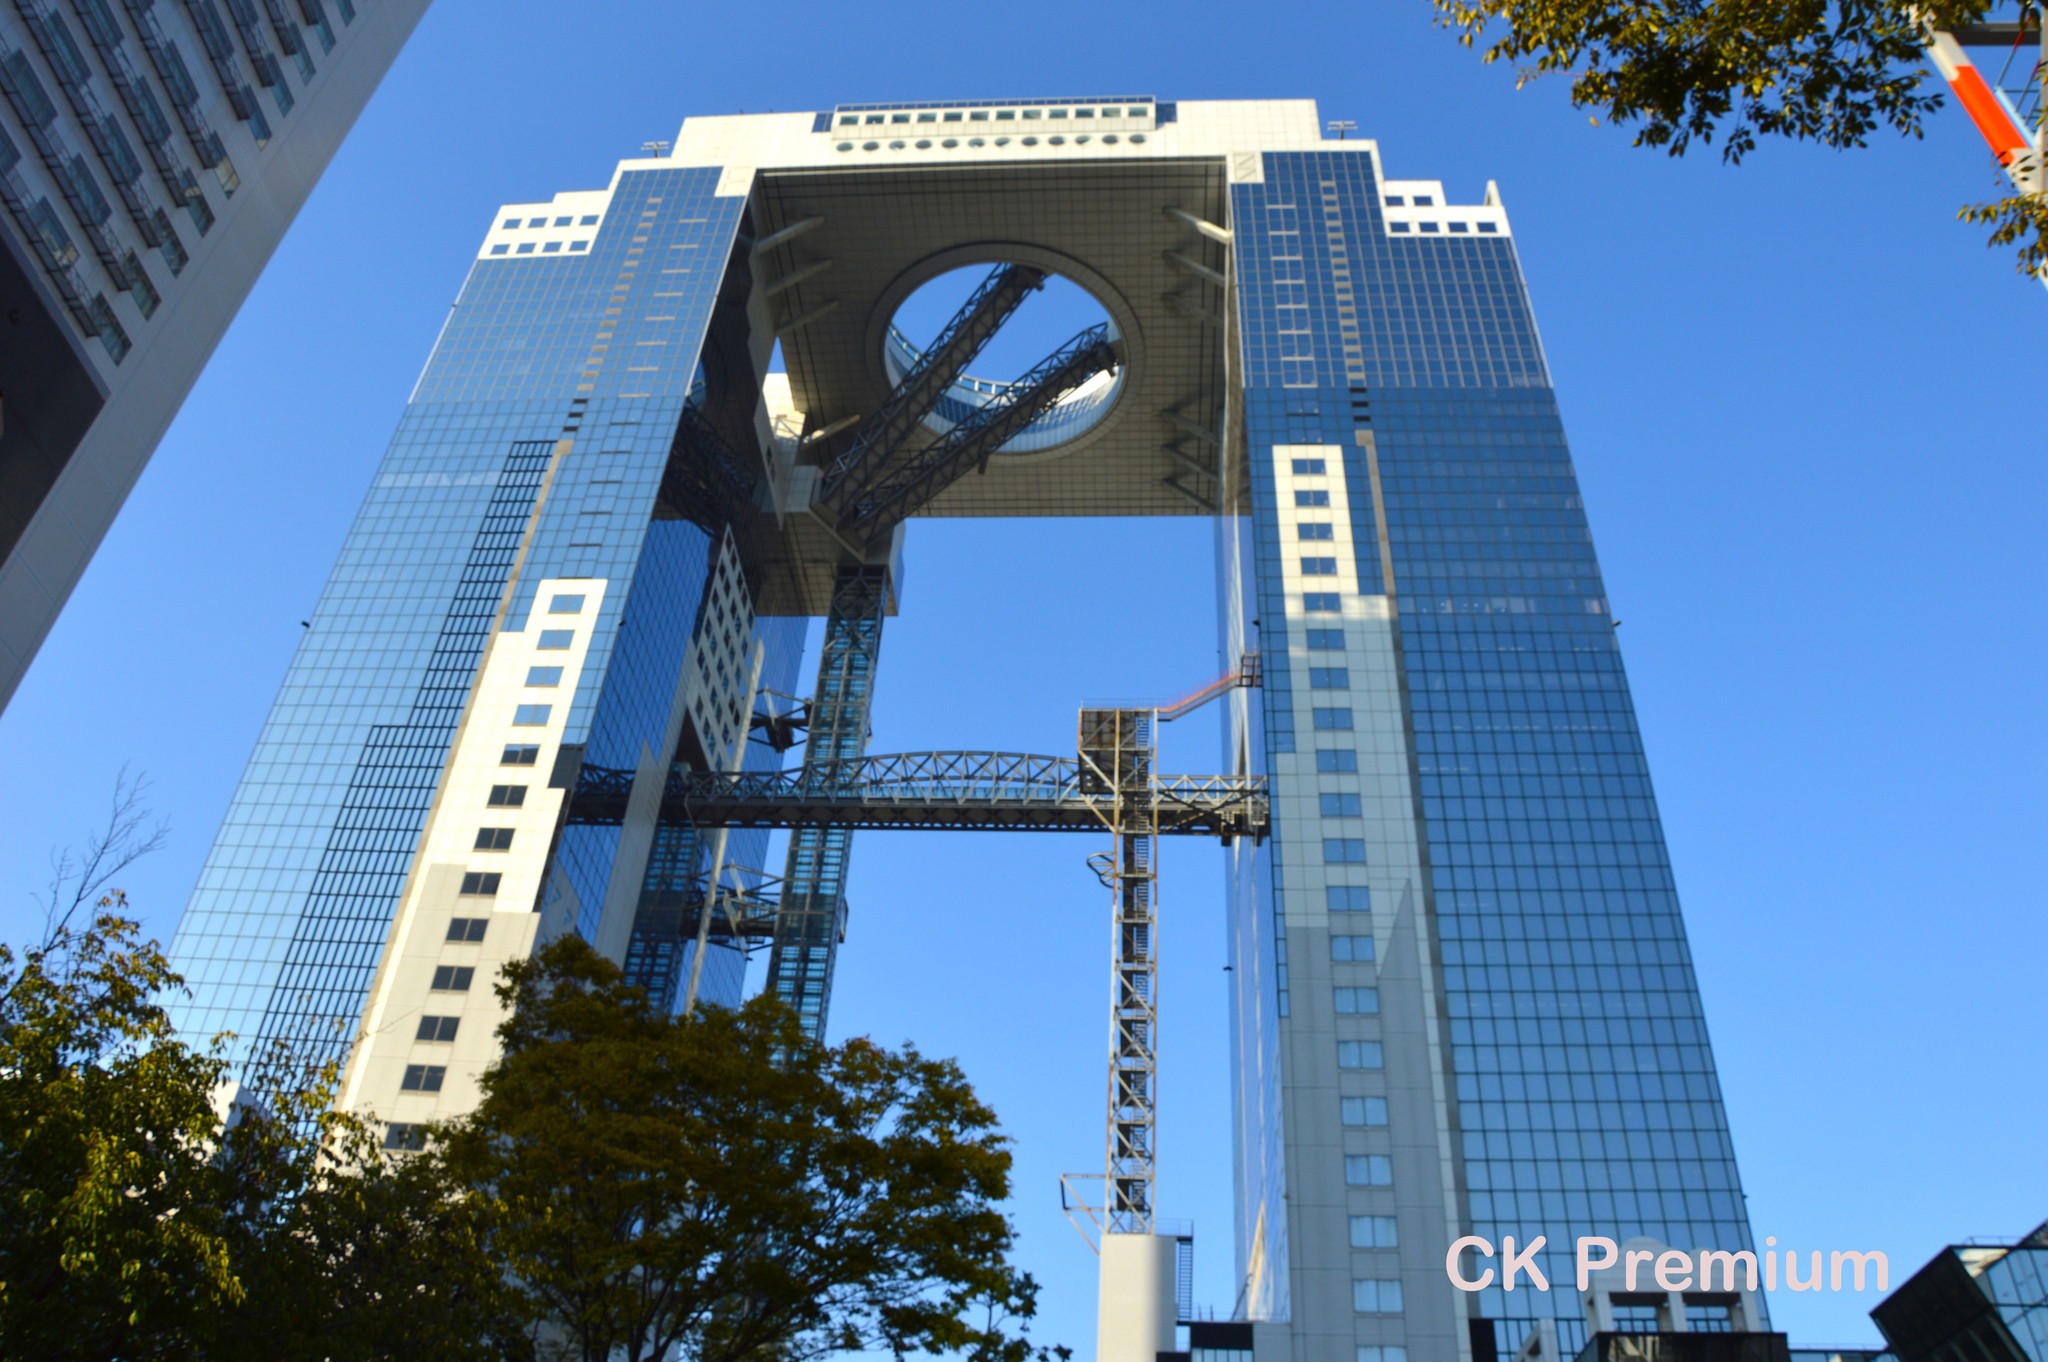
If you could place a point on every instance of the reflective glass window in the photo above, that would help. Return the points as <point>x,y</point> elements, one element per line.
<point>1376,1296</point>
<point>1374,1231</point>
<point>1368,1170</point>
<point>1357,1001</point>
<point>437,1030</point>
<point>1351,898</point>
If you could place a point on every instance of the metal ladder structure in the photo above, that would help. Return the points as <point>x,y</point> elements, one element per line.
<point>1118,755</point>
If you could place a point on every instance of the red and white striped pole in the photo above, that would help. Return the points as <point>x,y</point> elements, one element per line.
<point>2012,144</point>
<point>2021,151</point>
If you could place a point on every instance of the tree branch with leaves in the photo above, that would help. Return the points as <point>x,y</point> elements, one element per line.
<point>1682,72</point>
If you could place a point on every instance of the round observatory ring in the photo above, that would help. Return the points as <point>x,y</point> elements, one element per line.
<point>1072,423</point>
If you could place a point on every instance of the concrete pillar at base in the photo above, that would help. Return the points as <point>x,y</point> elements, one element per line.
<point>1136,1312</point>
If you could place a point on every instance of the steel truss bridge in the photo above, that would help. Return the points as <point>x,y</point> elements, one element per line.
<point>949,791</point>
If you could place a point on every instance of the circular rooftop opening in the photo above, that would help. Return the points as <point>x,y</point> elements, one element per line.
<point>1044,322</point>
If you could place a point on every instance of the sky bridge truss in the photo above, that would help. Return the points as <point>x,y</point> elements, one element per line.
<point>956,791</point>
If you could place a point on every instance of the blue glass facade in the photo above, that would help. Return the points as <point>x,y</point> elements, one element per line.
<point>1584,1091</point>
<point>532,450</point>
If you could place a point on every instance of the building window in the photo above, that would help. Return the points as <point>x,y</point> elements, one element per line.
<point>1326,639</point>
<point>437,1030</point>
<point>1358,1002</point>
<point>507,796</point>
<point>467,929</point>
<point>1306,496</point>
<point>1383,1352</point>
<point>452,978</point>
<point>1709,1317</point>
<point>1351,950</point>
<point>1322,602</point>
<point>530,716</point>
<point>1368,1170</point>
<point>566,605</point>
<point>482,882</point>
<point>555,640</point>
<point>1374,1231</point>
<point>1329,678</point>
<point>1376,1296</point>
<point>543,676</point>
<point>501,249</point>
<point>590,220</point>
<point>494,839</point>
<point>1336,720</point>
<point>1341,804</point>
<point>519,754</point>
<point>1360,1054</point>
<point>1316,529</point>
<point>1344,851</point>
<point>1330,759</point>
<point>1364,1111</point>
<point>1309,467</point>
<point>1319,567</point>
<point>405,1135</point>
<point>1350,898</point>
<point>423,1077</point>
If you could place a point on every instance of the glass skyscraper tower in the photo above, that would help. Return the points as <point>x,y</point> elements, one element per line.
<point>152,153</point>
<point>1463,1001</point>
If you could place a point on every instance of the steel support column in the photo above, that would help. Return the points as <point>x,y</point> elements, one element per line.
<point>1118,751</point>
<point>814,882</point>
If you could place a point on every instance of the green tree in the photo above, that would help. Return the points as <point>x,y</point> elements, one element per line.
<point>144,1215</point>
<point>110,1244</point>
<point>1685,71</point>
<point>721,1188</point>
<point>151,1209</point>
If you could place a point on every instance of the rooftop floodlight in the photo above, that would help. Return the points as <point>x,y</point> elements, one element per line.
<point>655,148</point>
<point>1340,126</point>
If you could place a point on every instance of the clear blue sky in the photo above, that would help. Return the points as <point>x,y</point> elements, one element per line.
<point>1805,406</point>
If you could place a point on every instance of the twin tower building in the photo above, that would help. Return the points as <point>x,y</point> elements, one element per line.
<point>1463,998</point>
